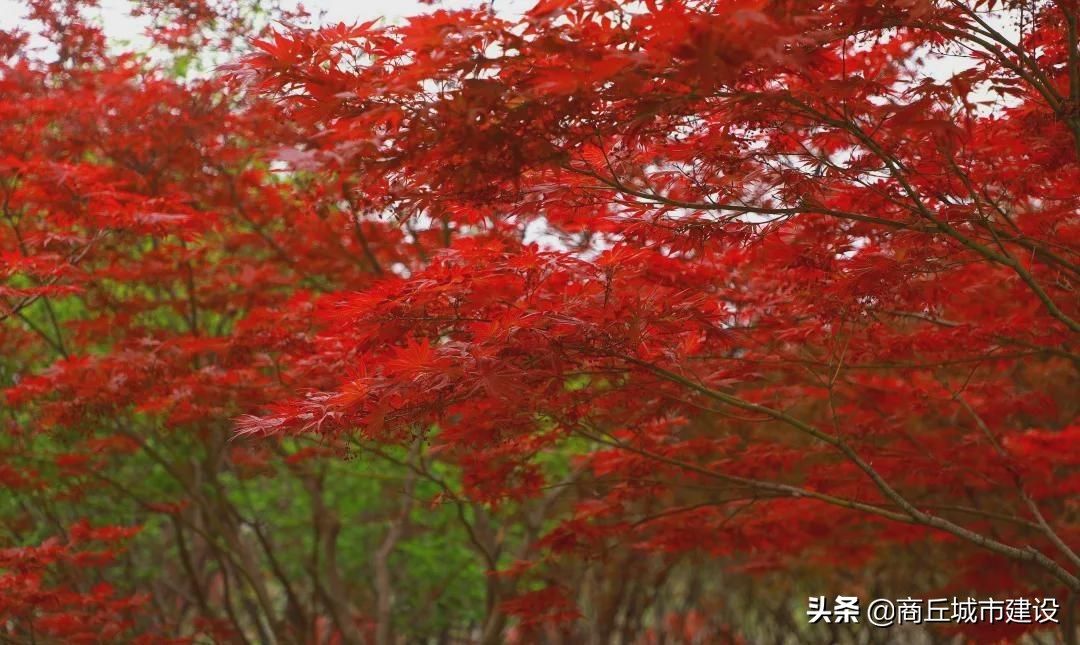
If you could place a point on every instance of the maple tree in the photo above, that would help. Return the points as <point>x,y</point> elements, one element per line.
<point>626,312</point>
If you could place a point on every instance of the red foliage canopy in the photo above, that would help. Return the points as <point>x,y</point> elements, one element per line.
<point>792,251</point>
<point>787,282</point>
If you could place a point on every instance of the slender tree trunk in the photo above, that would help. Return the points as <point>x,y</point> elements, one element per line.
<point>384,582</point>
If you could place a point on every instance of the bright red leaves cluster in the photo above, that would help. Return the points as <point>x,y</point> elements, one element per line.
<point>785,251</point>
<point>785,282</point>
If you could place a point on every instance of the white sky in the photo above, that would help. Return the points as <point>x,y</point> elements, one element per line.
<point>347,11</point>
<point>120,26</point>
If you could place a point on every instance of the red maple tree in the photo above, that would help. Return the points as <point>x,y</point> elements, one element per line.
<point>782,262</point>
<point>785,285</point>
